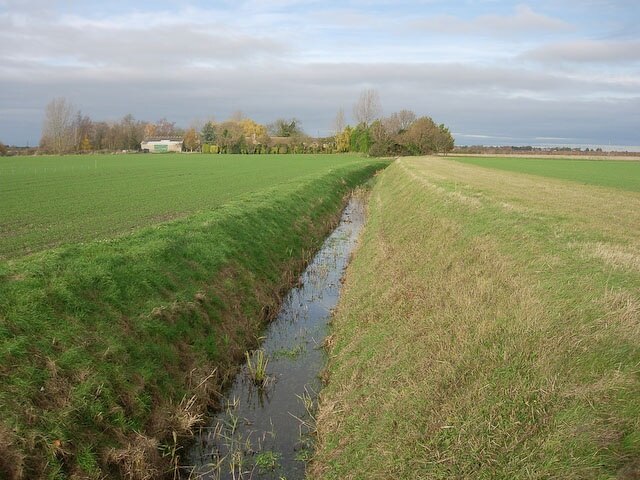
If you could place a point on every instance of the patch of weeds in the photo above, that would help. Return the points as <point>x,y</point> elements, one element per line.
<point>87,462</point>
<point>257,363</point>
<point>268,461</point>
<point>309,404</point>
<point>236,463</point>
<point>292,353</point>
<point>304,455</point>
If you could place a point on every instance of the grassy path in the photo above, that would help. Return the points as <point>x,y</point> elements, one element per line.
<point>491,320</point>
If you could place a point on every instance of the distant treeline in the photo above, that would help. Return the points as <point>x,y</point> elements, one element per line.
<point>400,134</point>
<point>528,149</point>
<point>389,136</point>
<point>66,130</point>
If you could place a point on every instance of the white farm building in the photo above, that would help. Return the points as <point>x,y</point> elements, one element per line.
<point>162,144</point>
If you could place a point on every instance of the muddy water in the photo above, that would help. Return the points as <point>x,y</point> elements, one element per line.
<point>264,431</point>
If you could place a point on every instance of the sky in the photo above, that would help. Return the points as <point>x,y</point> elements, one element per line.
<point>543,72</point>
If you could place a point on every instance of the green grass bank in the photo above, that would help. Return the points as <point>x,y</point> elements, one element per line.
<point>111,350</point>
<point>489,327</point>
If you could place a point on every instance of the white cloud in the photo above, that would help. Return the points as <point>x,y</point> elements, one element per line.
<point>523,21</point>
<point>165,42</point>
<point>306,59</point>
<point>587,51</point>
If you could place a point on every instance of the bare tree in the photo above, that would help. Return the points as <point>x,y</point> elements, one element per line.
<point>399,121</point>
<point>236,116</point>
<point>57,129</point>
<point>165,128</point>
<point>339,123</point>
<point>406,118</point>
<point>132,132</point>
<point>82,129</point>
<point>285,128</point>
<point>368,107</point>
<point>196,124</point>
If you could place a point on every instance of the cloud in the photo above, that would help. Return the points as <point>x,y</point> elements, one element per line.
<point>586,51</point>
<point>174,40</point>
<point>505,101</point>
<point>523,21</point>
<point>306,59</point>
<point>25,5</point>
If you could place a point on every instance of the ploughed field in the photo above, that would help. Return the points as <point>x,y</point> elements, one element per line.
<point>489,325</point>
<point>149,278</point>
<point>50,200</point>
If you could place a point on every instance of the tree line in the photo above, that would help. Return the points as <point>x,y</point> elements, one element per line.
<point>243,135</point>
<point>67,131</point>
<point>402,133</point>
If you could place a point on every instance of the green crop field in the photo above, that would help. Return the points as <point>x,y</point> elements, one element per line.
<point>51,200</point>
<point>622,174</point>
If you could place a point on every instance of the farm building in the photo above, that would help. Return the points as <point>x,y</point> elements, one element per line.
<point>162,144</point>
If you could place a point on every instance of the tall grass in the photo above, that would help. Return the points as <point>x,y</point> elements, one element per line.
<point>257,363</point>
<point>102,343</point>
<point>489,328</point>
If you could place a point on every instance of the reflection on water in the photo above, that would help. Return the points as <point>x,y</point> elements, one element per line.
<point>264,431</point>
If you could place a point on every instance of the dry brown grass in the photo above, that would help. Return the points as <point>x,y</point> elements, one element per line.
<point>615,255</point>
<point>139,460</point>
<point>472,343</point>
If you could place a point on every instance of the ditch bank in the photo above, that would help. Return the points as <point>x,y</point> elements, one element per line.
<point>112,351</point>
<point>266,426</point>
<point>492,346</point>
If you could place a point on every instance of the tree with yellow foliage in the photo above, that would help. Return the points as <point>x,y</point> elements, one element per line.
<point>85,145</point>
<point>253,131</point>
<point>191,140</point>
<point>343,140</point>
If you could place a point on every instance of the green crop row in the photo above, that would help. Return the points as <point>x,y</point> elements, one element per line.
<point>48,201</point>
<point>621,174</point>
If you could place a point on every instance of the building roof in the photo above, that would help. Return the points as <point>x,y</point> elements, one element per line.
<point>166,138</point>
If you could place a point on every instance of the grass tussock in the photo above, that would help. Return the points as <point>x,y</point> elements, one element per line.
<point>478,341</point>
<point>257,367</point>
<point>111,351</point>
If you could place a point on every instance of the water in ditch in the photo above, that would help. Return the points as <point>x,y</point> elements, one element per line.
<point>264,431</point>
